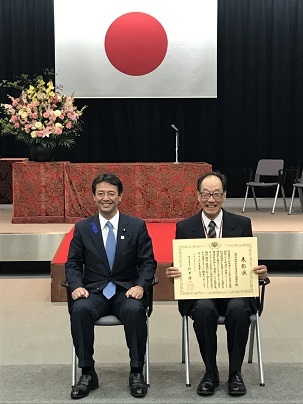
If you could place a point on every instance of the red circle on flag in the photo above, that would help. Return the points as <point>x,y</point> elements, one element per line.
<point>136,43</point>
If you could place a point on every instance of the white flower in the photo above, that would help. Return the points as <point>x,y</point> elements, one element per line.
<point>57,112</point>
<point>38,125</point>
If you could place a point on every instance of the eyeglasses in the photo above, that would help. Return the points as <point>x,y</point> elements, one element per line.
<point>206,195</point>
<point>109,194</point>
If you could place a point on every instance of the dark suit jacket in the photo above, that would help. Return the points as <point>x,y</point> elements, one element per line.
<point>233,226</point>
<point>134,260</point>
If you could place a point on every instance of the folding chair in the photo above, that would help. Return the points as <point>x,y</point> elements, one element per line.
<point>298,184</point>
<point>112,320</point>
<point>254,329</point>
<point>267,169</point>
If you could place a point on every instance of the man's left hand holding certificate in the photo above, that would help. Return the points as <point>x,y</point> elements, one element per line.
<point>220,268</point>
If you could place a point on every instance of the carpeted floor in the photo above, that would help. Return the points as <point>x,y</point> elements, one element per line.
<point>48,384</point>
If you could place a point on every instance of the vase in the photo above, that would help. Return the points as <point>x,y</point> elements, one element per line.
<point>41,153</point>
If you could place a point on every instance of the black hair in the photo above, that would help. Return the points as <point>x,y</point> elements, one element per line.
<point>111,179</point>
<point>217,174</point>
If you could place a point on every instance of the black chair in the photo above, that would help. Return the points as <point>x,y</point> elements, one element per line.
<point>269,174</point>
<point>254,329</point>
<point>112,320</point>
<point>297,185</point>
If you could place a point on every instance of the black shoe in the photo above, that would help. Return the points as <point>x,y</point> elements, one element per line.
<point>85,384</point>
<point>138,387</point>
<point>208,384</point>
<point>236,386</point>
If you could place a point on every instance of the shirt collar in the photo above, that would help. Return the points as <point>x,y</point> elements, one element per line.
<point>114,221</point>
<point>217,220</point>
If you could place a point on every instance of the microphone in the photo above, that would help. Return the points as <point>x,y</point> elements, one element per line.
<point>173,126</point>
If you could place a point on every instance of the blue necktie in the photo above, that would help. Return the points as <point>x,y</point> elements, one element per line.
<point>110,248</point>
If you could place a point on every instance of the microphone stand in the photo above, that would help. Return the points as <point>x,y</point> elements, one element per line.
<point>177,146</point>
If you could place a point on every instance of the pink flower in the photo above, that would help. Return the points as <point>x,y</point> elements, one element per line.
<point>17,125</point>
<point>13,119</point>
<point>68,125</point>
<point>46,114</point>
<point>58,131</point>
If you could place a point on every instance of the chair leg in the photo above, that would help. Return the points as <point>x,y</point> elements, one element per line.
<point>147,356</point>
<point>275,200</point>
<point>284,199</point>
<point>251,341</point>
<point>186,350</point>
<point>74,367</point>
<point>261,371</point>
<point>255,199</point>
<point>183,338</point>
<point>245,199</point>
<point>292,200</point>
<point>301,197</point>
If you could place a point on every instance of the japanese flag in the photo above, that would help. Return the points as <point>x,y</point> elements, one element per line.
<point>136,48</point>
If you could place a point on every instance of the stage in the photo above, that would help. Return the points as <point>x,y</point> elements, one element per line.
<point>280,237</point>
<point>19,241</point>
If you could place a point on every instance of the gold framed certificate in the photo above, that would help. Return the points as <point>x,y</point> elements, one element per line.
<point>216,268</point>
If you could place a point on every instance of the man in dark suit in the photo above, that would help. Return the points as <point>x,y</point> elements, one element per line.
<point>213,221</point>
<point>110,264</point>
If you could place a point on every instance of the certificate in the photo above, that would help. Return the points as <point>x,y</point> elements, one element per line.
<point>216,268</point>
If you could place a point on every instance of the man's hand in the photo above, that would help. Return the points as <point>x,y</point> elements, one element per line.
<point>136,292</point>
<point>79,293</point>
<point>172,273</point>
<point>261,271</point>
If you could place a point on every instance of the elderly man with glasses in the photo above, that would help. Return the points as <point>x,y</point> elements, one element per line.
<point>213,221</point>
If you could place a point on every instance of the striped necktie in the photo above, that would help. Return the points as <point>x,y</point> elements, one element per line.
<point>212,230</point>
<point>110,248</point>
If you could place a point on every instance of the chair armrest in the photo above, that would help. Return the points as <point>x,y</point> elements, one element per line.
<point>295,174</point>
<point>261,298</point>
<point>282,175</point>
<point>248,174</point>
<point>151,295</point>
<point>68,295</point>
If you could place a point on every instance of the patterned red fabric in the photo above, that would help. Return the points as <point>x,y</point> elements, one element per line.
<point>152,191</point>
<point>38,192</point>
<point>60,192</point>
<point>6,186</point>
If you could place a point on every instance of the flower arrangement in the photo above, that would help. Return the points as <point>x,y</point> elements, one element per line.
<point>40,115</point>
